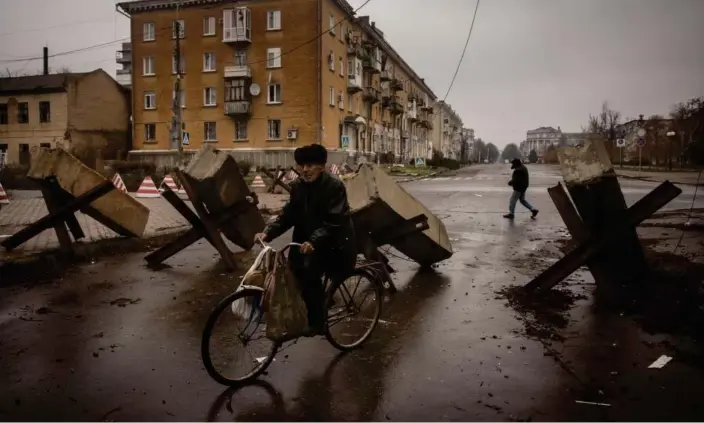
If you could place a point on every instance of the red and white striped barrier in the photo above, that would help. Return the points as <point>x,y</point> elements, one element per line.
<point>258,182</point>
<point>4,199</point>
<point>119,183</point>
<point>169,182</point>
<point>148,189</point>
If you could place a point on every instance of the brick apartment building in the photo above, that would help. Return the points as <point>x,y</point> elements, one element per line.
<point>258,79</point>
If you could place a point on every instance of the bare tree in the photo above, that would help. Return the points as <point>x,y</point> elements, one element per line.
<point>604,126</point>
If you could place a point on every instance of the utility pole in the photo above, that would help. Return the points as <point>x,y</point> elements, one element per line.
<point>177,120</point>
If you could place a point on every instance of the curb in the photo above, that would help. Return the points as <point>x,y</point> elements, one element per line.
<point>645,179</point>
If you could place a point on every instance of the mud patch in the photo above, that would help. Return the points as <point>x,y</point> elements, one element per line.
<point>544,315</point>
<point>672,296</point>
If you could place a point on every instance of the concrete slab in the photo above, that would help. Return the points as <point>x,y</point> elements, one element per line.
<point>582,165</point>
<point>74,177</point>
<point>219,182</point>
<point>378,203</point>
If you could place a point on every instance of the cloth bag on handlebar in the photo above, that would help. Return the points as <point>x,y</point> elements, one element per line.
<point>287,316</point>
<point>255,277</point>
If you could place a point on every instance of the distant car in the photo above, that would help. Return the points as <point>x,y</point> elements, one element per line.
<point>486,161</point>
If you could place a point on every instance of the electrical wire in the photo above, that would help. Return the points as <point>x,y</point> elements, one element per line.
<point>691,210</point>
<point>464,50</point>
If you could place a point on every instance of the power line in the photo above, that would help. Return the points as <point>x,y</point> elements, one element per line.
<point>464,50</point>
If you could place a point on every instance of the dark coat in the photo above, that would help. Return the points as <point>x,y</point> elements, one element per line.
<point>320,214</point>
<point>519,180</point>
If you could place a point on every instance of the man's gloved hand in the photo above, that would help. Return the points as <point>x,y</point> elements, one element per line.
<point>307,248</point>
<point>510,183</point>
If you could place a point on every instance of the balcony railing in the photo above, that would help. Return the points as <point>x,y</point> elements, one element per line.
<point>396,107</point>
<point>237,35</point>
<point>123,57</point>
<point>354,50</point>
<point>238,108</point>
<point>354,84</point>
<point>396,85</point>
<point>370,64</point>
<point>386,75</point>
<point>238,71</point>
<point>372,94</point>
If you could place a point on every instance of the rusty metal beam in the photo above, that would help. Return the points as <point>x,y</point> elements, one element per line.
<point>576,258</point>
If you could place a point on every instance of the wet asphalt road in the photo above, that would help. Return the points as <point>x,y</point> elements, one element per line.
<point>113,340</point>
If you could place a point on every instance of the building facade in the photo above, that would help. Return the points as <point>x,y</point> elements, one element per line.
<point>540,139</point>
<point>87,113</point>
<point>447,132</point>
<point>254,83</point>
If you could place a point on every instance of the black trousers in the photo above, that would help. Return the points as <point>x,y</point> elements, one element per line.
<point>309,271</point>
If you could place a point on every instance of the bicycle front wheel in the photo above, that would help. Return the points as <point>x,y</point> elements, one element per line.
<point>353,307</point>
<point>234,347</point>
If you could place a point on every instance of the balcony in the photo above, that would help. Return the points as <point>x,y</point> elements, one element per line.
<point>354,83</point>
<point>386,75</point>
<point>385,101</point>
<point>237,25</point>
<point>395,106</point>
<point>427,108</point>
<point>372,95</point>
<point>124,78</point>
<point>412,96</point>
<point>238,108</point>
<point>426,124</point>
<point>238,71</point>
<point>396,85</point>
<point>122,57</point>
<point>354,50</point>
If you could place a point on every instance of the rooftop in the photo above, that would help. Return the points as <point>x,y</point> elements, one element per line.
<point>56,82</point>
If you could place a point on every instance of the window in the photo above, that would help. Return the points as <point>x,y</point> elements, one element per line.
<point>182,103</point>
<point>148,65</point>
<point>341,101</point>
<point>273,20</point>
<point>273,57</point>
<point>240,58</point>
<point>44,145</point>
<point>180,26</point>
<point>209,25</point>
<point>234,90</point>
<point>209,64</point>
<point>332,96</point>
<point>349,103</point>
<point>332,25</point>
<point>274,94</point>
<point>210,132</point>
<point>210,96</point>
<point>331,61</point>
<point>149,132</point>
<point>148,31</point>
<point>149,100</point>
<point>23,112</point>
<point>274,129</point>
<point>3,114</point>
<point>240,130</point>
<point>182,68</point>
<point>342,66</point>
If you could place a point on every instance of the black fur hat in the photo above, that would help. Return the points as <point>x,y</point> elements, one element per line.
<point>311,154</point>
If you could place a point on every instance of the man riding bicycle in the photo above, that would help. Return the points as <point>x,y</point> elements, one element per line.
<point>319,214</point>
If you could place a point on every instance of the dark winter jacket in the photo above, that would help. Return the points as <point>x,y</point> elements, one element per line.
<point>320,214</point>
<point>519,180</point>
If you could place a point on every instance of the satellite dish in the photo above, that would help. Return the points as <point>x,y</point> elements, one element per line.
<point>255,89</point>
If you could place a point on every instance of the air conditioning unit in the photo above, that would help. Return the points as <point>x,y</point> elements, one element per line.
<point>292,134</point>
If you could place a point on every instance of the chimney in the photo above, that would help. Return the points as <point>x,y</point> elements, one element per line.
<point>46,60</point>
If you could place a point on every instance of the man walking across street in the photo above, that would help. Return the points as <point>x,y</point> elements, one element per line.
<point>519,182</point>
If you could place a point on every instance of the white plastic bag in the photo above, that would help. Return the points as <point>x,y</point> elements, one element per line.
<point>262,263</point>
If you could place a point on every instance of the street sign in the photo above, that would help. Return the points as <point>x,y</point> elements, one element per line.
<point>420,161</point>
<point>620,143</point>
<point>186,139</point>
<point>641,132</point>
<point>345,141</point>
<point>640,141</point>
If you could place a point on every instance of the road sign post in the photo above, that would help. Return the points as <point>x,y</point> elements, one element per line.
<point>641,144</point>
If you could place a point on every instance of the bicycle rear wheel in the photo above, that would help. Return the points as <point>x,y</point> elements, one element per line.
<point>236,325</point>
<point>350,322</point>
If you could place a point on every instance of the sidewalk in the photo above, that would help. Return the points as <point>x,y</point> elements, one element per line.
<point>686,178</point>
<point>163,219</point>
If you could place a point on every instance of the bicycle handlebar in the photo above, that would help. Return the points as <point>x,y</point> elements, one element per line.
<point>289,245</point>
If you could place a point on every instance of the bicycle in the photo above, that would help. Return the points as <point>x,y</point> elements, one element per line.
<point>365,270</point>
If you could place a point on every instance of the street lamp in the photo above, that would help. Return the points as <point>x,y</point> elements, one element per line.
<point>641,142</point>
<point>669,134</point>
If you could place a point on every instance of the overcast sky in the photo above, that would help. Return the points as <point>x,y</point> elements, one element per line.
<point>529,63</point>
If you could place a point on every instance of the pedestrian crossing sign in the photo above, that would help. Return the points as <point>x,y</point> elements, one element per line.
<point>420,161</point>
<point>186,139</point>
